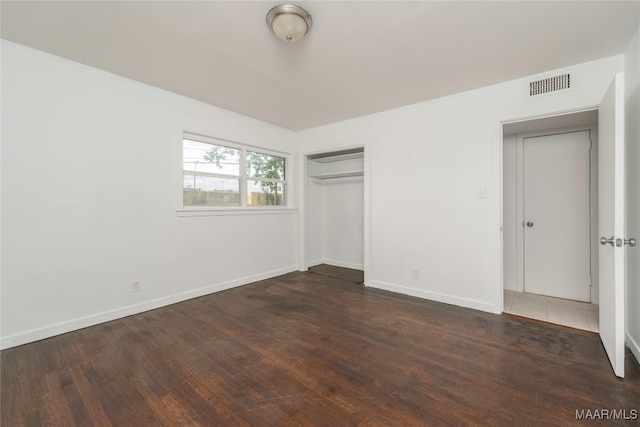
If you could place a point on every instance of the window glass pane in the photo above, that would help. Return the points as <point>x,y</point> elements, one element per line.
<point>202,157</point>
<point>210,191</point>
<point>261,165</point>
<point>264,193</point>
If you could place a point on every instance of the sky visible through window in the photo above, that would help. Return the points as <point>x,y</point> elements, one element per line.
<point>196,157</point>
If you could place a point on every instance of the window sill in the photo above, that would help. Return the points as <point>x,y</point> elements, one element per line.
<point>234,211</point>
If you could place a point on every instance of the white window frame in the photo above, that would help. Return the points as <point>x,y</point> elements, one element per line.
<point>243,178</point>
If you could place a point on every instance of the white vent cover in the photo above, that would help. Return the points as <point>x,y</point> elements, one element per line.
<point>550,84</point>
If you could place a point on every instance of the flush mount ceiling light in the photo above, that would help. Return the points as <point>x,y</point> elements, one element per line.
<point>288,22</point>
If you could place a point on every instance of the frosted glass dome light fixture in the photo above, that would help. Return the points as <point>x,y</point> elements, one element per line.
<point>288,22</point>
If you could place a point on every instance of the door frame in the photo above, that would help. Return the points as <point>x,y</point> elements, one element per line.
<point>498,202</point>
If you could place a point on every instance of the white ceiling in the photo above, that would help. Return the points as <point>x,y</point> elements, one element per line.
<point>359,58</point>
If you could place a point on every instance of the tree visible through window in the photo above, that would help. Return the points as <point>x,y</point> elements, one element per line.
<point>213,175</point>
<point>266,172</point>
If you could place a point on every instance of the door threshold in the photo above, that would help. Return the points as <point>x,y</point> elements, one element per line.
<point>544,322</point>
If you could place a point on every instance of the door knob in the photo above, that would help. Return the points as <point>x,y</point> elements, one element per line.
<point>618,242</point>
<point>604,240</point>
<point>529,224</point>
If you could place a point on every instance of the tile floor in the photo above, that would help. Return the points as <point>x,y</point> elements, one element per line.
<point>574,314</point>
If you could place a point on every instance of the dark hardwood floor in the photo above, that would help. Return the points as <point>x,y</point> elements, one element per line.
<point>311,349</point>
<point>348,274</point>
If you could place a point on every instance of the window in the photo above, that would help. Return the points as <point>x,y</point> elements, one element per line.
<point>219,174</point>
<point>265,179</point>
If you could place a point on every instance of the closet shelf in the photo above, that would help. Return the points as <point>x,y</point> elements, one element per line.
<point>336,157</point>
<point>337,175</point>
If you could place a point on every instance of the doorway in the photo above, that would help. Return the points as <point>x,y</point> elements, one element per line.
<point>550,217</point>
<point>611,199</point>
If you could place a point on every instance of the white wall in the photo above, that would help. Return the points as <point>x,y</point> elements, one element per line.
<point>437,158</point>
<point>632,108</point>
<point>336,223</point>
<point>509,216</point>
<point>344,224</point>
<point>315,224</point>
<point>89,190</point>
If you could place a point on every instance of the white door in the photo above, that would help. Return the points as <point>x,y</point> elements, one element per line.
<point>611,222</point>
<point>557,220</point>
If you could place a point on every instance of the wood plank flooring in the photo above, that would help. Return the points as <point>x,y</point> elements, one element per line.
<point>308,349</point>
<point>348,274</point>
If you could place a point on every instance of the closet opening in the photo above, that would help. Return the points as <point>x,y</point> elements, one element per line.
<point>335,229</point>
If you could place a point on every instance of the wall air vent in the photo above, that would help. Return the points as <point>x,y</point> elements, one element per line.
<point>550,84</point>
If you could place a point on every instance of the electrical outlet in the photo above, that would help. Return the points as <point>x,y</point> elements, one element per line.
<point>415,272</point>
<point>135,286</point>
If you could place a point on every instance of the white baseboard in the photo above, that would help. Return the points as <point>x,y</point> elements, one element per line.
<point>94,319</point>
<point>433,296</point>
<point>344,264</point>
<point>633,346</point>
<point>315,262</point>
<point>336,263</point>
